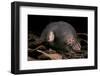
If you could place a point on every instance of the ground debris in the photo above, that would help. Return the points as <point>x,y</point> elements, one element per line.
<point>41,52</point>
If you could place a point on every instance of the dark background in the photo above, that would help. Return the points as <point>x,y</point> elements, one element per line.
<point>36,23</point>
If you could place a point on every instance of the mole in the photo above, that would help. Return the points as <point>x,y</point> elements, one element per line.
<point>61,35</point>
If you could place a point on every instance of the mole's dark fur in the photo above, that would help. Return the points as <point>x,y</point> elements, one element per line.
<point>61,35</point>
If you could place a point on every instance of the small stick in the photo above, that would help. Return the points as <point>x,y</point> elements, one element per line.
<point>83,40</point>
<point>36,48</point>
<point>82,34</point>
<point>44,54</point>
<point>41,52</point>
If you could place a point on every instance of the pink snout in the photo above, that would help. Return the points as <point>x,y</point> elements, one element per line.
<point>77,47</point>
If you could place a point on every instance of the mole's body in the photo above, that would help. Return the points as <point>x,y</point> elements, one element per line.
<point>61,35</point>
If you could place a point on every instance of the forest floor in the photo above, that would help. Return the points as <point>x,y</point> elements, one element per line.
<point>42,52</point>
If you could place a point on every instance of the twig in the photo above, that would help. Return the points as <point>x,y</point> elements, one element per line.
<point>47,55</point>
<point>82,34</point>
<point>83,40</point>
<point>35,48</point>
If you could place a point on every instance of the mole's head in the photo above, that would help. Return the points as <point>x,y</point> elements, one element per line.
<point>72,42</point>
